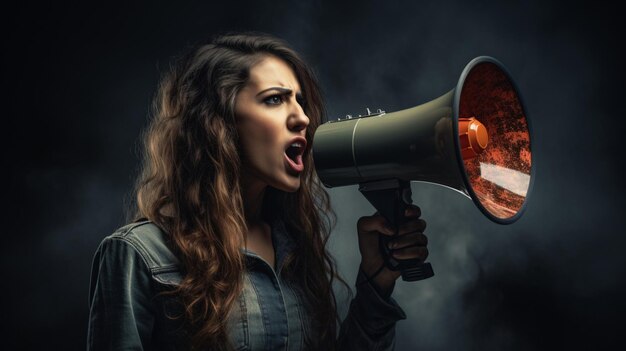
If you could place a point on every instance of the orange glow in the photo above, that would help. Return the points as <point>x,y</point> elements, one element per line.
<point>490,97</point>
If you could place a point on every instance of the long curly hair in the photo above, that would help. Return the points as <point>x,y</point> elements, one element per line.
<point>190,187</point>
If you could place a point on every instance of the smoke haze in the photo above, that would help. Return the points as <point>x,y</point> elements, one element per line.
<point>78,83</point>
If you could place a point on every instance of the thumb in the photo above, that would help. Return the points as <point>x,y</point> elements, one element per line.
<point>375,223</point>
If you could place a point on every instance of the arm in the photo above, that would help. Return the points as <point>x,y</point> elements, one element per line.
<point>370,324</point>
<point>121,314</point>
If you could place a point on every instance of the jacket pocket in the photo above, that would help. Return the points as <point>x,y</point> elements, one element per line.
<point>170,278</point>
<point>169,275</point>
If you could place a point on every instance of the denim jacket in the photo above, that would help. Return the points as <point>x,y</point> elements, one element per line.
<point>134,264</point>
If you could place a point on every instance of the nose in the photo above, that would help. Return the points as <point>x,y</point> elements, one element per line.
<point>298,120</point>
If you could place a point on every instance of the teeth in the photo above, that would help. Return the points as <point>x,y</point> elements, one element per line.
<point>296,145</point>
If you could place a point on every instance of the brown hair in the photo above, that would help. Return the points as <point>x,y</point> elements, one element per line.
<point>190,187</point>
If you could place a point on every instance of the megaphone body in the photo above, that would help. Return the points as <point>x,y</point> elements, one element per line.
<point>475,139</point>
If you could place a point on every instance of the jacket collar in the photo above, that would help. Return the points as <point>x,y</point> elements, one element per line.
<point>283,243</point>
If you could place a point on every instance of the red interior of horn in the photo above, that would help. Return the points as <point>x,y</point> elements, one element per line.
<point>500,175</point>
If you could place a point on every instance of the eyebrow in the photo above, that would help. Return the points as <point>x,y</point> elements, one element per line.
<point>281,90</point>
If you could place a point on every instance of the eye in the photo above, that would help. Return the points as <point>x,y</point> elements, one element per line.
<point>273,100</point>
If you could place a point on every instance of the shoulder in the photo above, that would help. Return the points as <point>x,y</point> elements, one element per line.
<point>145,241</point>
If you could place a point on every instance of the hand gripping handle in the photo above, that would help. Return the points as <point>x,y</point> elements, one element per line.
<point>391,198</point>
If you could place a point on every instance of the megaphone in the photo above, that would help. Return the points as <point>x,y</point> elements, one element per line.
<point>475,139</point>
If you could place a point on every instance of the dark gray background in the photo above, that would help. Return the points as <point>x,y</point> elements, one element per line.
<point>77,87</point>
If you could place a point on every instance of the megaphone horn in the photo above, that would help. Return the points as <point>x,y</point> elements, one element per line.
<point>475,139</point>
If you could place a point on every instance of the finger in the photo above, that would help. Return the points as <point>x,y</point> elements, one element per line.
<point>412,211</point>
<point>419,252</point>
<point>407,240</point>
<point>375,223</point>
<point>414,225</point>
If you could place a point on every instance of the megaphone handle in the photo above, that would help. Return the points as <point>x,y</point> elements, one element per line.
<point>391,198</point>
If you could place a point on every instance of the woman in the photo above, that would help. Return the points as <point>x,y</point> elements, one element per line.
<point>228,246</point>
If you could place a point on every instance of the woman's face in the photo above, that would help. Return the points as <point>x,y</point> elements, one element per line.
<point>272,125</point>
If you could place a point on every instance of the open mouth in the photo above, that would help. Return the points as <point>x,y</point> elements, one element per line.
<point>293,155</point>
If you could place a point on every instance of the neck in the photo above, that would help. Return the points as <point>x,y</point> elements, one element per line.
<point>253,194</point>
